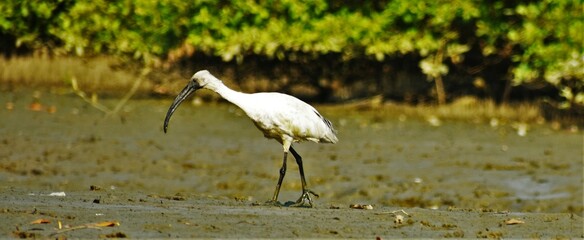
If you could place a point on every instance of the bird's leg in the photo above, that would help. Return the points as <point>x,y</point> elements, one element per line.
<point>282,173</point>
<point>305,191</point>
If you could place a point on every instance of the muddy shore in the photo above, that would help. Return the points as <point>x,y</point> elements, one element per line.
<point>211,173</point>
<point>139,215</point>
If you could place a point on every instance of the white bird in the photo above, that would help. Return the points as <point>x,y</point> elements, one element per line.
<point>279,116</point>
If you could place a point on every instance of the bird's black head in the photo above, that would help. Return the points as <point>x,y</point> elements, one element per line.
<point>191,87</point>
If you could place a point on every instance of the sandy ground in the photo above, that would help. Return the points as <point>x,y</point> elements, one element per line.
<point>210,175</point>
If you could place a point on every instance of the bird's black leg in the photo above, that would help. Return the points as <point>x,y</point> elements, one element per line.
<point>282,173</point>
<point>305,191</point>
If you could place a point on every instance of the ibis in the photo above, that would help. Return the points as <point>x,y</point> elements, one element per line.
<point>282,117</point>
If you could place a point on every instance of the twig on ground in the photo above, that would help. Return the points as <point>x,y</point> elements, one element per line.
<point>130,93</point>
<point>109,112</point>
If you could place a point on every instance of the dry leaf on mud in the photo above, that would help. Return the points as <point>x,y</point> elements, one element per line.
<point>514,221</point>
<point>85,226</point>
<point>9,106</point>
<point>35,107</point>
<point>52,109</point>
<point>106,224</point>
<point>40,221</point>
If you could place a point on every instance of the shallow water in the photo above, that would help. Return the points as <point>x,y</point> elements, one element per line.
<point>215,150</point>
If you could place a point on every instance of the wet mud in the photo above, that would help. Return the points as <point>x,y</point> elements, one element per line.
<point>210,175</point>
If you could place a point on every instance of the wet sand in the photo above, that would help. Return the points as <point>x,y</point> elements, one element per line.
<point>211,173</point>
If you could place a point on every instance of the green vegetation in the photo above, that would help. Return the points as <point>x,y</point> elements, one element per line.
<point>520,43</point>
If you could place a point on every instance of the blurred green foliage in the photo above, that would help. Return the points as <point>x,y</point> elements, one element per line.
<point>543,41</point>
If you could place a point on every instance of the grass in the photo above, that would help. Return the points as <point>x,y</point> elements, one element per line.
<point>474,109</point>
<point>93,75</point>
<point>109,77</point>
<point>465,109</point>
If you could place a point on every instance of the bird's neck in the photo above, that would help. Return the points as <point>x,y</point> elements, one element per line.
<point>235,97</point>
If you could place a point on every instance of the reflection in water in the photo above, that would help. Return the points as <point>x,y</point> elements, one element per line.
<point>526,188</point>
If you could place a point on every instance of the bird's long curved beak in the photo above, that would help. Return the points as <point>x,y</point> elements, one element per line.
<point>191,87</point>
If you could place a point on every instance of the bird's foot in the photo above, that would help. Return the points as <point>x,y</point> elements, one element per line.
<point>305,200</point>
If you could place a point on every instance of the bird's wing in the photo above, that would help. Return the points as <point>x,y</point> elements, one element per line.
<point>301,121</point>
<point>326,122</point>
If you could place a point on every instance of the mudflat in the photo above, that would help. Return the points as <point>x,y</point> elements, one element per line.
<point>68,171</point>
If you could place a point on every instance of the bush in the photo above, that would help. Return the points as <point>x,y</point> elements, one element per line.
<point>531,42</point>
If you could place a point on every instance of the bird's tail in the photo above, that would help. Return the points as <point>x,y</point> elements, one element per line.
<point>331,135</point>
<point>331,138</point>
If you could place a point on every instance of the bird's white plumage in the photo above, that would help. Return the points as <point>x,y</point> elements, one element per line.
<point>279,116</point>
